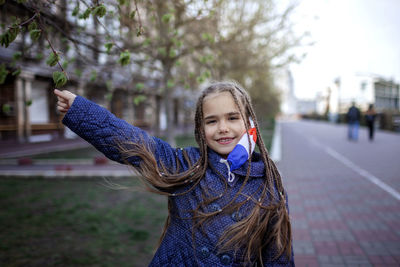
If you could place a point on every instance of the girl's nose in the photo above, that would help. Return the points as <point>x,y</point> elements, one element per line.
<point>223,128</point>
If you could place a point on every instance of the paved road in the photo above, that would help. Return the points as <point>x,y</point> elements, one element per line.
<point>344,196</point>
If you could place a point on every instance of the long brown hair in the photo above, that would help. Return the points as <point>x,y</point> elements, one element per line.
<point>268,223</point>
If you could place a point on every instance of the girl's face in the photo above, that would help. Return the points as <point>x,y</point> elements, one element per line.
<point>223,125</point>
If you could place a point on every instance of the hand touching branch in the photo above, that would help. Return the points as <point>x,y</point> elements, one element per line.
<point>65,100</point>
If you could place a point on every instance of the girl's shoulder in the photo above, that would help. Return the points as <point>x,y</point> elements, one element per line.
<point>193,153</point>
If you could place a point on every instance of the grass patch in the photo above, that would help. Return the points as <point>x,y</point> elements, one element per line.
<point>77,222</point>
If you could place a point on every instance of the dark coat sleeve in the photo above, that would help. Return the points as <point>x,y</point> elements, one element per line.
<point>106,132</point>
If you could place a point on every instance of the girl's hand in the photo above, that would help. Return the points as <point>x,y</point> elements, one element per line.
<point>65,100</point>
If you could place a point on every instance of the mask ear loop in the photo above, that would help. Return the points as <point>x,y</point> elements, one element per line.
<point>251,122</point>
<point>231,175</point>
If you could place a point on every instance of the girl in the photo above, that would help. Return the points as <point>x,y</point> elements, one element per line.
<point>226,203</point>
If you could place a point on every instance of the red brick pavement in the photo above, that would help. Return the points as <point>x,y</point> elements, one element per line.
<point>339,218</point>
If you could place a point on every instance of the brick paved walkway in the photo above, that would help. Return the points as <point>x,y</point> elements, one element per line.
<point>339,216</point>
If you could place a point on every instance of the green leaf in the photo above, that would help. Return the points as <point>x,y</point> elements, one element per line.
<point>75,12</point>
<point>16,73</point>
<point>179,43</point>
<point>6,108</point>
<point>139,99</point>
<point>162,51</point>
<point>108,47</point>
<point>65,64</point>
<point>207,74</point>
<point>140,86</point>
<point>207,37</point>
<point>93,76</point>
<point>35,34</point>
<point>9,36</point>
<point>147,42</point>
<point>200,79</point>
<point>59,78</point>
<point>139,31</point>
<point>109,85</point>
<point>172,53</point>
<point>132,14</point>
<point>78,72</point>
<point>28,102</point>
<point>206,58</point>
<point>124,58</point>
<point>52,59</point>
<point>17,55</point>
<point>170,83</point>
<point>121,2</point>
<point>167,17</point>
<point>108,96</point>
<point>86,14</point>
<point>32,26</point>
<point>99,11</point>
<point>3,73</point>
<point>39,56</point>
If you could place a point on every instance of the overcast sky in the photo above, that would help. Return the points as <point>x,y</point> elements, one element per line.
<point>351,36</point>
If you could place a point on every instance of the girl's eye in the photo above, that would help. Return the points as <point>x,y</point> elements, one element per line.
<point>210,122</point>
<point>233,118</point>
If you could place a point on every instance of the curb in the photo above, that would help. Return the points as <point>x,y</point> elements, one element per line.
<point>42,149</point>
<point>276,146</point>
<point>54,174</point>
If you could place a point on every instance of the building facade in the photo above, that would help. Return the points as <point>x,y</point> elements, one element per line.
<point>27,104</point>
<point>363,89</point>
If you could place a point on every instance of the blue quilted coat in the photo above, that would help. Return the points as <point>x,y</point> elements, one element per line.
<point>178,248</point>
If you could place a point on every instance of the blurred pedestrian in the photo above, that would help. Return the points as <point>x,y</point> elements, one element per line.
<point>353,120</point>
<point>370,116</point>
<point>226,203</point>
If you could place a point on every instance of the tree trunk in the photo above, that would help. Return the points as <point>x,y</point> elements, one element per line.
<point>158,101</point>
<point>170,131</point>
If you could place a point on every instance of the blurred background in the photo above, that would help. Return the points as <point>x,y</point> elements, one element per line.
<point>303,62</point>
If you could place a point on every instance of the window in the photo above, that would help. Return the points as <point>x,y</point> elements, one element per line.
<point>363,85</point>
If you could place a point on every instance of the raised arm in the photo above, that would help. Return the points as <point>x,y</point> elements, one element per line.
<point>104,131</point>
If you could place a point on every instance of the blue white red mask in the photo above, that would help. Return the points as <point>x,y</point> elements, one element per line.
<point>241,152</point>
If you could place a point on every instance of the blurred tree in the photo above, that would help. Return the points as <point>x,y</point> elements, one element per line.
<point>254,40</point>
<point>178,43</point>
<point>149,38</point>
<point>174,32</point>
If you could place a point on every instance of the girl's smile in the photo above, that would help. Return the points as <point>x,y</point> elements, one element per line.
<point>225,141</point>
<point>223,124</point>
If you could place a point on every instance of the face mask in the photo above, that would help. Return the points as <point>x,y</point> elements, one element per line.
<point>242,151</point>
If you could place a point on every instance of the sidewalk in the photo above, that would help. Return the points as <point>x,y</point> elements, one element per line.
<point>343,196</point>
<point>12,165</point>
<point>11,149</point>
